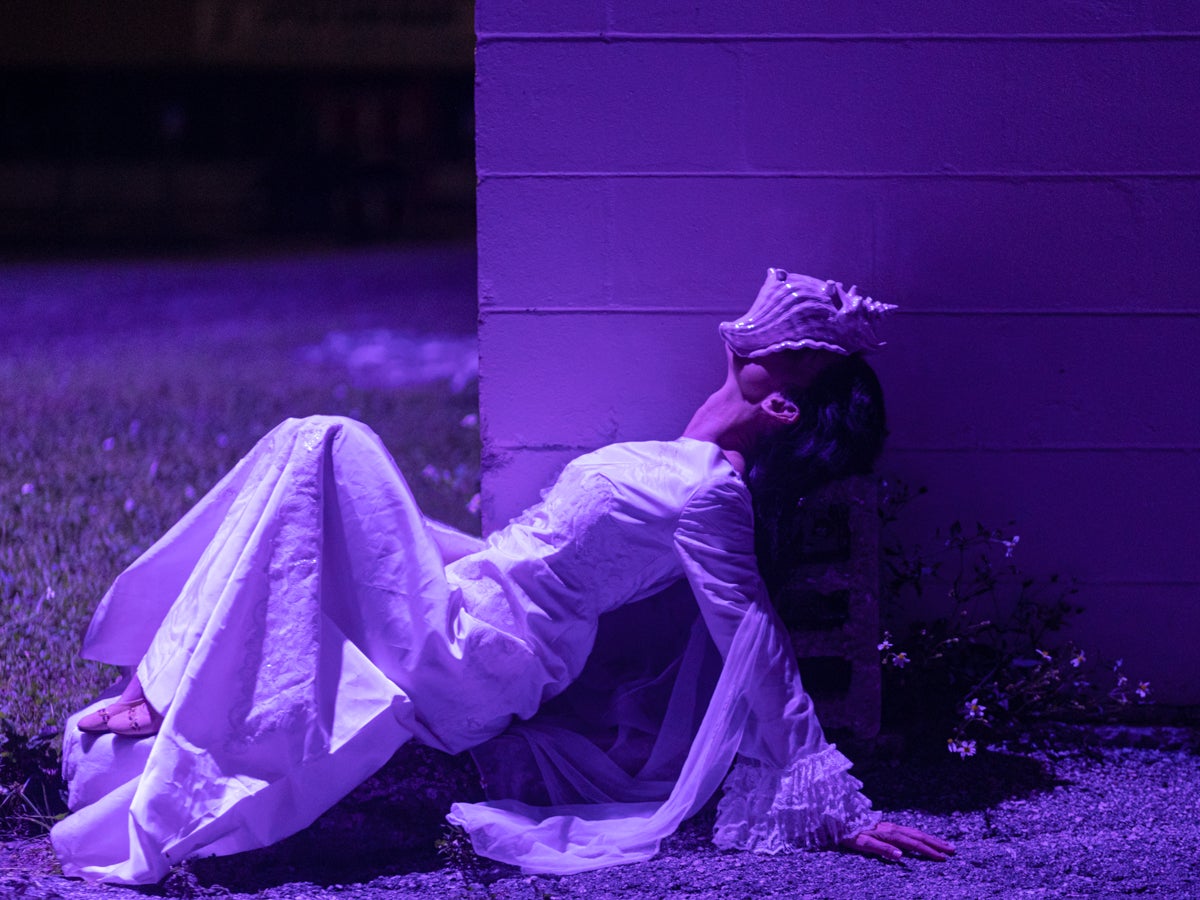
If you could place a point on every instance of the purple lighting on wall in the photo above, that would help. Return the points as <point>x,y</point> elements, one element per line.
<point>988,171</point>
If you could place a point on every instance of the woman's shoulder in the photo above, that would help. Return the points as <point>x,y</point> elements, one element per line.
<point>667,472</point>
<point>683,459</point>
<point>684,452</point>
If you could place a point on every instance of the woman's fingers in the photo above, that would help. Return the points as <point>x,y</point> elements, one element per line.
<point>913,845</point>
<point>890,841</point>
<point>935,842</point>
<point>929,840</point>
<point>870,846</point>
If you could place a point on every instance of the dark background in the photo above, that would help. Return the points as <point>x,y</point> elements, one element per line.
<point>189,123</point>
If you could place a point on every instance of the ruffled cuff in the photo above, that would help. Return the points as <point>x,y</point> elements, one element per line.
<point>814,802</point>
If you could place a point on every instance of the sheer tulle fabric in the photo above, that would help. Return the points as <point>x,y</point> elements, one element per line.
<point>613,827</point>
<point>304,620</point>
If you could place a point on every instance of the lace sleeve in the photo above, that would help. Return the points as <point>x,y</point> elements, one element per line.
<point>789,787</point>
<point>814,802</point>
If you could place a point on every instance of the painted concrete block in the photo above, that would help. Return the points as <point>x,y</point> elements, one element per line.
<point>597,378</point>
<point>829,17</point>
<point>1000,382</point>
<point>538,16</point>
<point>543,242</point>
<point>926,244</point>
<point>940,243</point>
<point>1070,244</point>
<point>663,241</point>
<point>830,605</point>
<point>866,107</point>
<point>885,17</point>
<point>965,107</point>
<point>710,242</point>
<point>586,107</point>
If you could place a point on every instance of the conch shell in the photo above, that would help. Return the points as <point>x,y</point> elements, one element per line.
<point>795,311</point>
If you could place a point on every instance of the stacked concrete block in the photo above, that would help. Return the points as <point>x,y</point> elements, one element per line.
<point>830,605</point>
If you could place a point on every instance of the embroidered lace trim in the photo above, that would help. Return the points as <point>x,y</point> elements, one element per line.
<point>815,802</point>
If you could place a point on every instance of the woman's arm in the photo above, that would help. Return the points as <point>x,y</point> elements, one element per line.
<point>790,787</point>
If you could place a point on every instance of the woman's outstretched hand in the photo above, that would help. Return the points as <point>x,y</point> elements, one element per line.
<point>892,841</point>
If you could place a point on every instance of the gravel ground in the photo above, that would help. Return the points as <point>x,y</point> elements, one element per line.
<point>1116,818</point>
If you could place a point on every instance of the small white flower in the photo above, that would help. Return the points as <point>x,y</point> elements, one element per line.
<point>900,660</point>
<point>1143,689</point>
<point>470,420</point>
<point>973,709</point>
<point>50,595</point>
<point>962,748</point>
<point>1078,659</point>
<point>474,504</point>
<point>26,488</point>
<point>1046,657</point>
<point>886,643</point>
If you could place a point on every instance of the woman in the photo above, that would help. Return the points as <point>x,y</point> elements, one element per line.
<point>304,620</point>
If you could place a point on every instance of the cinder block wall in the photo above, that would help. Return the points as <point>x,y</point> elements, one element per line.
<point>1020,177</point>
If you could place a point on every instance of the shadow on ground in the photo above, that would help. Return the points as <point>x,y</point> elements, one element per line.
<point>941,784</point>
<point>394,824</point>
<point>390,825</point>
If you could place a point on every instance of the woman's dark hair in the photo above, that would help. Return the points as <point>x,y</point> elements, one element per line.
<point>839,432</point>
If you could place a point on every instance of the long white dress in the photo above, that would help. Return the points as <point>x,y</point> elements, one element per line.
<point>304,620</point>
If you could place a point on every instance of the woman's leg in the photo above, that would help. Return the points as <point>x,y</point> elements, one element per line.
<point>269,666</point>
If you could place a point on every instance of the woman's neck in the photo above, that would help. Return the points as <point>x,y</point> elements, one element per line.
<point>727,420</point>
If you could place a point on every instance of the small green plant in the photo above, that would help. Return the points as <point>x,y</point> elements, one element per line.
<point>31,786</point>
<point>986,664</point>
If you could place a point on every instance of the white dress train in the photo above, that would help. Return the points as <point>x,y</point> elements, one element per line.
<point>304,620</point>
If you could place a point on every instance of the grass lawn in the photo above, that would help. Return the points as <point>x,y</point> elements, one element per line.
<point>108,439</point>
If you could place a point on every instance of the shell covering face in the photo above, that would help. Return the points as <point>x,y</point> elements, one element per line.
<point>793,312</point>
